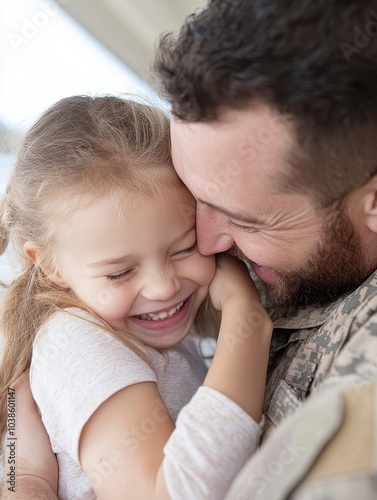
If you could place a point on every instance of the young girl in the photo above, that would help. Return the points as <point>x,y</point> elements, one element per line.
<point>103,312</point>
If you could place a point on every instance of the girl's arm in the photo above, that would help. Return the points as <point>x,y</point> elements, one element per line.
<point>122,445</point>
<point>239,366</point>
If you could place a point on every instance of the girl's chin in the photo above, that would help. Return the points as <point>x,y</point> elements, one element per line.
<point>163,341</point>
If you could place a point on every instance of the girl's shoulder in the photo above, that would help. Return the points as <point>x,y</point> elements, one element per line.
<point>70,316</point>
<point>73,345</point>
<point>69,323</point>
<point>74,336</point>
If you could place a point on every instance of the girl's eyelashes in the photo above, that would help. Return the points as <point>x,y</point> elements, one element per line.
<point>123,274</point>
<point>126,274</point>
<point>187,250</point>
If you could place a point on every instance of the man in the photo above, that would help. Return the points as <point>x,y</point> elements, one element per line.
<point>274,131</point>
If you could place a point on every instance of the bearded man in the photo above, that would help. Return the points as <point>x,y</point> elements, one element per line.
<point>274,131</point>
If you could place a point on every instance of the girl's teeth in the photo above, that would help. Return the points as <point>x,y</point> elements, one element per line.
<point>163,314</point>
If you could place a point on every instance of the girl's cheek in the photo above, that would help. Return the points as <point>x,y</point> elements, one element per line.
<point>207,267</point>
<point>109,301</point>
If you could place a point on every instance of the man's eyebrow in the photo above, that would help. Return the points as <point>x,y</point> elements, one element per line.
<point>234,215</point>
<point>123,259</point>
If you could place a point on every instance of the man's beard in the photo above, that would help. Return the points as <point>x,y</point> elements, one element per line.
<point>336,267</point>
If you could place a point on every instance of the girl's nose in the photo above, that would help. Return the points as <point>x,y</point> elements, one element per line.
<point>162,285</point>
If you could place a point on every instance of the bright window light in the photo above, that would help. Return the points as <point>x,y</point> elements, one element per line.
<point>46,55</point>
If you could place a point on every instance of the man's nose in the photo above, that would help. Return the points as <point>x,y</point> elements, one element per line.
<point>212,232</point>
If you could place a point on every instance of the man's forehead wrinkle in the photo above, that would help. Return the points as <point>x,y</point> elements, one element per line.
<point>234,213</point>
<point>281,212</point>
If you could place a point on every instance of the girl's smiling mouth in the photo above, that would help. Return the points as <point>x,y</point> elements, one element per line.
<point>165,318</point>
<point>162,314</point>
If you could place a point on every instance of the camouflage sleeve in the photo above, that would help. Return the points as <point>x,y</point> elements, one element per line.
<point>356,360</point>
<point>325,450</point>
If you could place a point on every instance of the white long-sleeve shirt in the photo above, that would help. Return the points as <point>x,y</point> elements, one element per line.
<point>76,366</point>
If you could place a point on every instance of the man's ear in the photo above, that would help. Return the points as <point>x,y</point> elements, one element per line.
<point>370,203</point>
<point>34,253</point>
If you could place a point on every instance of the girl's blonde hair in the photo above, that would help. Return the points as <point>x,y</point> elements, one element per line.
<point>81,149</point>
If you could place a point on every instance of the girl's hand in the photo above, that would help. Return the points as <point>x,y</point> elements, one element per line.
<point>232,281</point>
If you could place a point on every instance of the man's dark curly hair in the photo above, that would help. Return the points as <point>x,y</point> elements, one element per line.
<point>313,60</point>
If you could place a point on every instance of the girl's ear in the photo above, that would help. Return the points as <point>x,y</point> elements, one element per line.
<point>34,253</point>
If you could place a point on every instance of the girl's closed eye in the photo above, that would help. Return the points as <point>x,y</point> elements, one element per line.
<point>188,250</point>
<point>123,274</point>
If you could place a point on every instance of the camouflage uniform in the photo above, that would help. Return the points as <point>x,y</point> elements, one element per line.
<point>327,447</point>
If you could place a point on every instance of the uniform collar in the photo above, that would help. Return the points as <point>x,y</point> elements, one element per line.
<point>314,316</point>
